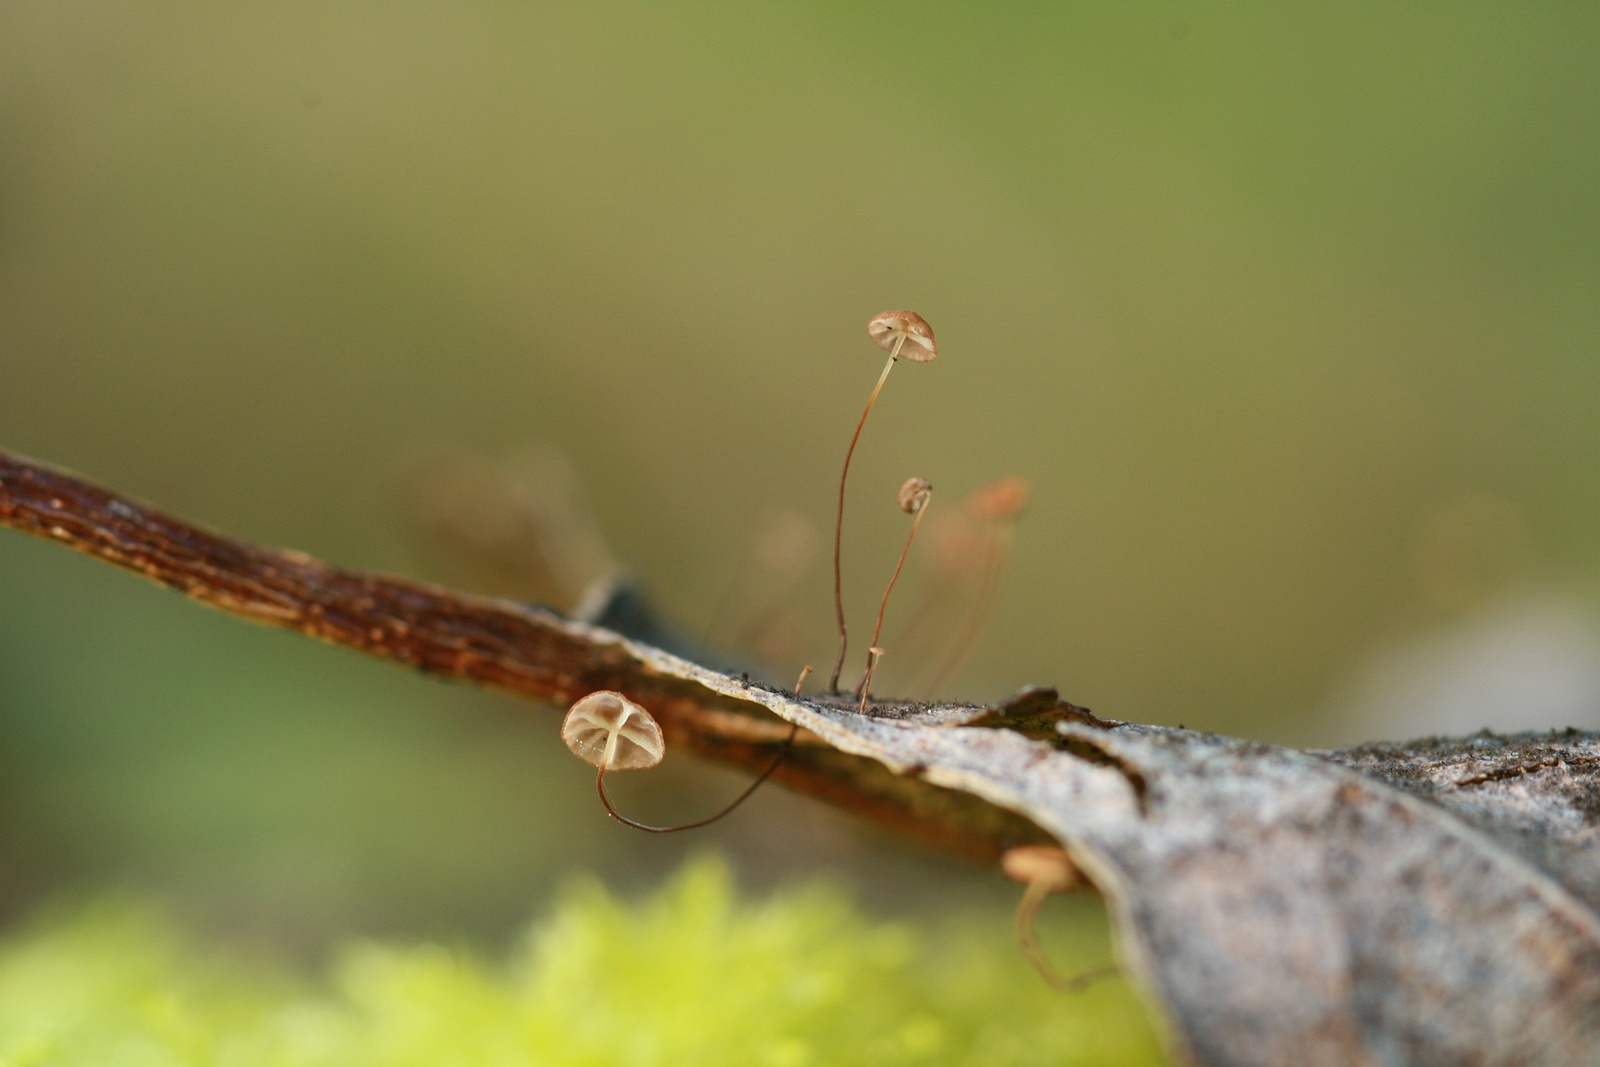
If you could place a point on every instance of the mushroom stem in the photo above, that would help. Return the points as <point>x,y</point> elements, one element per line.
<point>600,787</point>
<point>794,728</point>
<point>1027,911</point>
<point>838,522</point>
<point>875,652</point>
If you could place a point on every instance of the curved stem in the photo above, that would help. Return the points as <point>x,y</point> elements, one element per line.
<point>883,605</point>
<point>1027,910</point>
<point>838,522</point>
<point>600,787</point>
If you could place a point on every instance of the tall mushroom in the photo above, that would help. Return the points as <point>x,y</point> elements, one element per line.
<point>902,334</point>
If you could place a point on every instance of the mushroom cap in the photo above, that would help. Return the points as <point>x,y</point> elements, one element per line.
<point>890,326</point>
<point>1001,499</point>
<point>1031,864</point>
<point>607,730</point>
<point>914,494</point>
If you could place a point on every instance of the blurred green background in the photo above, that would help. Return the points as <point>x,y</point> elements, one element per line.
<point>1289,314</point>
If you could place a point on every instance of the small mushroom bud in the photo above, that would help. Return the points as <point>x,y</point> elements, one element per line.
<point>913,499</point>
<point>900,333</point>
<point>913,494</point>
<point>1044,869</point>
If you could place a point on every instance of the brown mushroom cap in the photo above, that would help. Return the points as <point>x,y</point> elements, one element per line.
<point>914,493</point>
<point>607,730</point>
<point>890,326</point>
<point>1047,864</point>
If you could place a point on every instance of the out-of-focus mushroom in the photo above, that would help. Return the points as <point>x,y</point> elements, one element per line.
<point>993,509</point>
<point>1045,869</point>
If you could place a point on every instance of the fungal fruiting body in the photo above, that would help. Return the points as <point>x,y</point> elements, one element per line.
<point>954,561</point>
<point>1044,869</point>
<point>611,733</point>
<point>991,510</point>
<point>913,498</point>
<point>903,334</point>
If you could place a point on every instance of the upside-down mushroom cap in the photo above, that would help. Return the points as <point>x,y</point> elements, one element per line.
<point>914,493</point>
<point>1031,864</point>
<point>889,327</point>
<point>607,730</point>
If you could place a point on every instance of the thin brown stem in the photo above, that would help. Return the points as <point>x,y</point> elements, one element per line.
<point>874,652</point>
<point>1027,910</point>
<point>600,786</point>
<point>838,521</point>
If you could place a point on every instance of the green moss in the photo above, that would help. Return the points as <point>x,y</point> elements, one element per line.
<point>690,976</point>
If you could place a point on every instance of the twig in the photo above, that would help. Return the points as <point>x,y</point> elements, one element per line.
<point>521,649</point>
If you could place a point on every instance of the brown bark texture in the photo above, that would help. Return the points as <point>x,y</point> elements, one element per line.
<point>1435,902</point>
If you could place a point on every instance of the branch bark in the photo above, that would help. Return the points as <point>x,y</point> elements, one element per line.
<point>1425,903</point>
<point>518,648</point>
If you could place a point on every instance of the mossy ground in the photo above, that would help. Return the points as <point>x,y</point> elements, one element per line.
<point>690,975</point>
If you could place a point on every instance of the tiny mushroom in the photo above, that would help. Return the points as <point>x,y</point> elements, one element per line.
<point>1001,500</point>
<point>607,730</point>
<point>913,497</point>
<point>611,733</point>
<point>1046,866</point>
<point>913,494</point>
<point>893,329</point>
<point>904,335</point>
<point>992,511</point>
